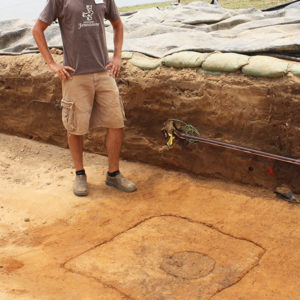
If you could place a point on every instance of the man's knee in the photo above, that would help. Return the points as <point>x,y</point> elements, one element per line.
<point>114,134</point>
<point>115,130</point>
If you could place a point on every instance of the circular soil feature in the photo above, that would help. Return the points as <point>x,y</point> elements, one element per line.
<point>188,265</point>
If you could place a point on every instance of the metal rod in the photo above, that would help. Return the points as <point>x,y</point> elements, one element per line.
<point>238,148</point>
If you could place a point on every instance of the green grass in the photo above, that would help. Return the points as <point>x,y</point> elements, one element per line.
<point>260,4</point>
<point>232,4</point>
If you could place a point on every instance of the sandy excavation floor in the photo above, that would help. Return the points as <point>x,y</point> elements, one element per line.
<point>177,237</point>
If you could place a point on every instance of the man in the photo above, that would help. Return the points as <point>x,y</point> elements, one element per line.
<point>90,94</point>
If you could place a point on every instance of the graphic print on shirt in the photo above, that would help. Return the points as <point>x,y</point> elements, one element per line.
<point>89,14</point>
<point>88,18</point>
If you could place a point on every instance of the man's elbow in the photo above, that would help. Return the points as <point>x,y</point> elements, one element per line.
<point>117,25</point>
<point>35,30</point>
<point>38,28</point>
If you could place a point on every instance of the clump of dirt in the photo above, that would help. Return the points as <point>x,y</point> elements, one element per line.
<point>9,265</point>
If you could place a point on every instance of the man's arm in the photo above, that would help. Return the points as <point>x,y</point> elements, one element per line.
<point>116,63</point>
<point>39,36</point>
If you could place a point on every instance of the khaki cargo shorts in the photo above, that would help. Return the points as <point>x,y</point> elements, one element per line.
<point>91,101</point>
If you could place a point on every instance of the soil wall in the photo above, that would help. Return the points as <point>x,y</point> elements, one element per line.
<point>259,113</point>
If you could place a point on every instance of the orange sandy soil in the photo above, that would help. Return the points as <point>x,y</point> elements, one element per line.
<point>177,237</point>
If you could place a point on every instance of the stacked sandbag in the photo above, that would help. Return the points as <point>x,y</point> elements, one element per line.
<point>294,68</point>
<point>144,62</point>
<point>225,62</point>
<point>185,59</point>
<point>265,66</point>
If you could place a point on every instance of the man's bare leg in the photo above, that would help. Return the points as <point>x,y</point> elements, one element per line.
<point>113,147</point>
<point>80,187</point>
<point>114,177</point>
<point>76,149</point>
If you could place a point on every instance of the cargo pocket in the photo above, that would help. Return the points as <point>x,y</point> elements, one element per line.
<point>122,108</point>
<point>68,114</point>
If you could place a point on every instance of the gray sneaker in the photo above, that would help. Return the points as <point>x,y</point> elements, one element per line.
<point>80,186</point>
<point>121,183</point>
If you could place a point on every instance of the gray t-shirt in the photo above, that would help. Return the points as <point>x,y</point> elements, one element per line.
<point>82,29</point>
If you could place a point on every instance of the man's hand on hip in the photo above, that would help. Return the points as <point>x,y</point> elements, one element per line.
<point>61,71</point>
<point>114,66</point>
